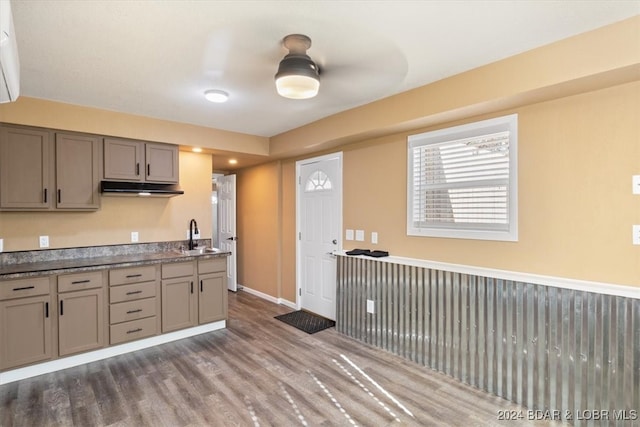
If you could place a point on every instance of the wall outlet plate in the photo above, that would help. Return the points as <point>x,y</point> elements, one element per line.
<point>636,184</point>
<point>371,306</point>
<point>1,245</point>
<point>195,235</point>
<point>636,234</point>
<point>44,242</point>
<point>374,238</point>
<point>134,236</point>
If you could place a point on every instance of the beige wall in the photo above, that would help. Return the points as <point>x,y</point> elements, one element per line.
<point>576,159</point>
<point>155,219</point>
<point>258,228</point>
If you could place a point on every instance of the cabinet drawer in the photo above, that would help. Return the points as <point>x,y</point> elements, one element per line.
<point>132,310</point>
<point>79,281</point>
<point>132,292</point>
<point>133,330</point>
<point>177,269</point>
<point>213,265</point>
<point>123,276</point>
<point>24,288</point>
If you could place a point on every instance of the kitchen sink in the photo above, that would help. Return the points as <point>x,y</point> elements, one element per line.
<point>202,250</point>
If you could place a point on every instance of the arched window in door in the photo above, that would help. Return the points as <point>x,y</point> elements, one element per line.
<point>318,181</point>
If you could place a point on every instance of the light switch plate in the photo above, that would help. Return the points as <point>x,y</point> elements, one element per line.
<point>134,236</point>
<point>349,235</point>
<point>374,237</point>
<point>636,234</point>
<point>44,241</point>
<point>636,184</point>
<point>360,235</point>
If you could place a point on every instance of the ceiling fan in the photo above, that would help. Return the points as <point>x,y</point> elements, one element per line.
<point>298,77</point>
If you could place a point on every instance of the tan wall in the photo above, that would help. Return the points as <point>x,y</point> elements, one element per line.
<point>576,159</point>
<point>288,235</point>
<point>155,219</point>
<point>56,115</point>
<point>258,228</point>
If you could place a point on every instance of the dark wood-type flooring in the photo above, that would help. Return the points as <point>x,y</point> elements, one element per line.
<point>257,372</point>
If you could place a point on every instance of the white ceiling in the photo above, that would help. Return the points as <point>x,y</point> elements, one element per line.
<point>156,58</point>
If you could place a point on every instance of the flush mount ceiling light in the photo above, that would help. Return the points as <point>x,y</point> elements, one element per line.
<point>217,96</point>
<point>297,76</point>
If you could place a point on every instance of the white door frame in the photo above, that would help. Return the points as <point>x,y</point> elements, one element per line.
<point>299,163</point>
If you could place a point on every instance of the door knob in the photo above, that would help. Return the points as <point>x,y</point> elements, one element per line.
<point>335,241</point>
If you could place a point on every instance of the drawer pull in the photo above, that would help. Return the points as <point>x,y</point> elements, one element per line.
<point>134,311</point>
<point>77,282</point>
<point>134,292</point>
<point>133,331</point>
<point>131,276</point>
<point>24,288</point>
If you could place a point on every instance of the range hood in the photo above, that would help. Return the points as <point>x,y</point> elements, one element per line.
<point>141,189</point>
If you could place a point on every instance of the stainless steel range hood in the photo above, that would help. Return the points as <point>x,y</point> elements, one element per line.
<point>140,189</point>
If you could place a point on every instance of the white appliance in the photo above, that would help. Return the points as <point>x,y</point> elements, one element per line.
<point>9,62</point>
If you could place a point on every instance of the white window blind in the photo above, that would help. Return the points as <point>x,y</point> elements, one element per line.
<point>462,181</point>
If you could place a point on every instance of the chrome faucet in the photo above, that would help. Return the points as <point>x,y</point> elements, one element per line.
<point>192,224</point>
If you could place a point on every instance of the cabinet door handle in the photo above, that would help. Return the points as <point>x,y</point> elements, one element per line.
<point>134,292</point>
<point>191,287</point>
<point>77,282</point>
<point>45,195</point>
<point>133,331</point>
<point>137,168</point>
<point>134,311</point>
<point>61,307</point>
<point>46,309</point>
<point>59,195</point>
<point>131,276</point>
<point>23,288</point>
<point>200,285</point>
<point>148,169</point>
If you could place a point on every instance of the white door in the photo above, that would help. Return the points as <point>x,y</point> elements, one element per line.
<point>226,186</point>
<point>319,232</point>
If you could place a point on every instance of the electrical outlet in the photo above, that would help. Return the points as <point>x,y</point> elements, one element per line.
<point>44,241</point>
<point>1,245</point>
<point>374,237</point>
<point>349,235</point>
<point>195,235</point>
<point>635,180</point>
<point>360,235</point>
<point>134,236</point>
<point>371,306</point>
<point>636,234</point>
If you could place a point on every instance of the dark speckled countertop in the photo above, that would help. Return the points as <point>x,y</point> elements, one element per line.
<point>37,263</point>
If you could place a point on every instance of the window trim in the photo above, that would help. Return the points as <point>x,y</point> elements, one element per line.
<point>509,123</point>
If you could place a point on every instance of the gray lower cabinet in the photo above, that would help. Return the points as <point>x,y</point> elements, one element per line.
<point>133,303</point>
<point>25,322</point>
<point>43,318</point>
<point>81,319</point>
<point>179,297</point>
<point>212,297</point>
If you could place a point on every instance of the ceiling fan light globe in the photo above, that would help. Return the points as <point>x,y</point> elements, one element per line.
<point>297,87</point>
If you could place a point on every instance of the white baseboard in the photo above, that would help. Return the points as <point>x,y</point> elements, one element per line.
<point>280,301</point>
<point>104,353</point>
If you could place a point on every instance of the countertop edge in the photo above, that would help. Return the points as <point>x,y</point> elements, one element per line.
<point>101,263</point>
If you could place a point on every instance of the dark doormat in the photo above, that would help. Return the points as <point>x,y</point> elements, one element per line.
<point>305,321</point>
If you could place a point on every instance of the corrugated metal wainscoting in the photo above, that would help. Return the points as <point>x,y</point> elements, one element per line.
<point>543,347</point>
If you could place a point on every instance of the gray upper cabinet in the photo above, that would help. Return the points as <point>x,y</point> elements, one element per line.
<point>25,168</point>
<point>128,160</point>
<point>44,170</point>
<point>77,172</point>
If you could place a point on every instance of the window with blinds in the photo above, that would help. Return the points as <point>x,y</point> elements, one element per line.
<point>462,181</point>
